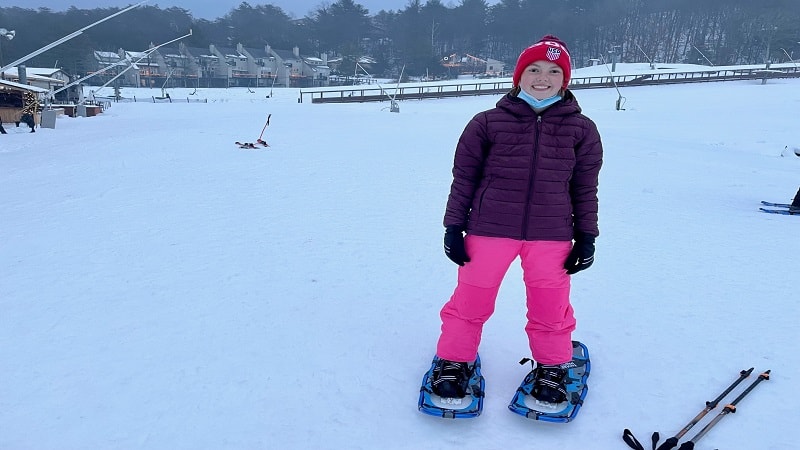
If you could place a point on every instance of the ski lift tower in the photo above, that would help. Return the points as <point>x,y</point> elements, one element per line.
<point>613,56</point>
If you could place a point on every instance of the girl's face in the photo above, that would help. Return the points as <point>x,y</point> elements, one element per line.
<point>542,79</point>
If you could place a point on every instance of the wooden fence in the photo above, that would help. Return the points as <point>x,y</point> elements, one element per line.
<point>374,93</point>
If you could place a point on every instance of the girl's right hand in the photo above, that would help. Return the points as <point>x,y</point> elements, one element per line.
<point>454,245</point>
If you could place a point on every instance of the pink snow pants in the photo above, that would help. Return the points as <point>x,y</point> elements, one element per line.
<point>550,315</point>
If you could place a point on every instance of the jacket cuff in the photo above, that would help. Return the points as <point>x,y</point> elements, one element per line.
<point>455,229</point>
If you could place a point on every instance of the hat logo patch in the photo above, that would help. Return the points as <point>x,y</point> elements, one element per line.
<point>553,53</point>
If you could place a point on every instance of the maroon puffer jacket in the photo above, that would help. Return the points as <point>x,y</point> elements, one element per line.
<point>522,175</point>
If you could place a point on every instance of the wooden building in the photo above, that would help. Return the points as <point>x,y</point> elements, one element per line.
<point>12,100</point>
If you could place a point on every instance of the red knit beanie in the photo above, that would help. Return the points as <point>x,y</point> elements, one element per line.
<point>549,48</point>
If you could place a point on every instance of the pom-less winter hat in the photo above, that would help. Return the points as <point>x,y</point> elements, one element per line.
<point>549,48</point>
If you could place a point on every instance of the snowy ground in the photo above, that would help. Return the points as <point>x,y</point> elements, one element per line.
<point>161,288</point>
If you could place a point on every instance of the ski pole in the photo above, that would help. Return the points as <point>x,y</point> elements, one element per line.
<point>730,408</point>
<point>265,127</point>
<point>672,442</point>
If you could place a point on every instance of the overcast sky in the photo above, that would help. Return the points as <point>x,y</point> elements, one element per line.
<point>205,9</point>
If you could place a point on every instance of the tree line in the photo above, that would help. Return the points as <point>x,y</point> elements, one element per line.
<point>418,36</point>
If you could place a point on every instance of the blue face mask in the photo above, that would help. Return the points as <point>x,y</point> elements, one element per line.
<point>535,103</point>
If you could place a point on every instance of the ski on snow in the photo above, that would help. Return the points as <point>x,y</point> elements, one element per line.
<point>775,205</point>
<point>260,141</point>
<point>251,145</point>
<point>785,212</point>
<point>781,210</point>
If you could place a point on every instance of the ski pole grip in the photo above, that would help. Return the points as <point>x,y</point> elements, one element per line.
<point>669,444</point>
<point>655,438</point>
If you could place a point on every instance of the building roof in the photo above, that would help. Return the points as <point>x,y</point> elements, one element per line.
<point>285,54</point>
<point>141,58</point>
<point>99,55</point>
<point>5,84</point>
<point>200,52</point>
<point>170,52</point>
<point>32,75</point>
<point>42,71</point>
<point>257,52</point>
<point>229,52</point>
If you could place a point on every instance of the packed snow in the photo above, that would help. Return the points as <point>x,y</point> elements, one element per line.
<point>161,288</point>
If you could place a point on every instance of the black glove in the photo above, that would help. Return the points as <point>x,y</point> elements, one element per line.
<point>454,244</point>
<point>582,254</point>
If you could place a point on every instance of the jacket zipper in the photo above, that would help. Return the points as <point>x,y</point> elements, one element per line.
<point>530,182</point>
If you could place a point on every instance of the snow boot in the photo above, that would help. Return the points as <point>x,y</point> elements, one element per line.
<point>548,384</point>
<point>451,378</point>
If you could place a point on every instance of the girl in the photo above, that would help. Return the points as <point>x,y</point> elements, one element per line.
<point>524,185</point>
